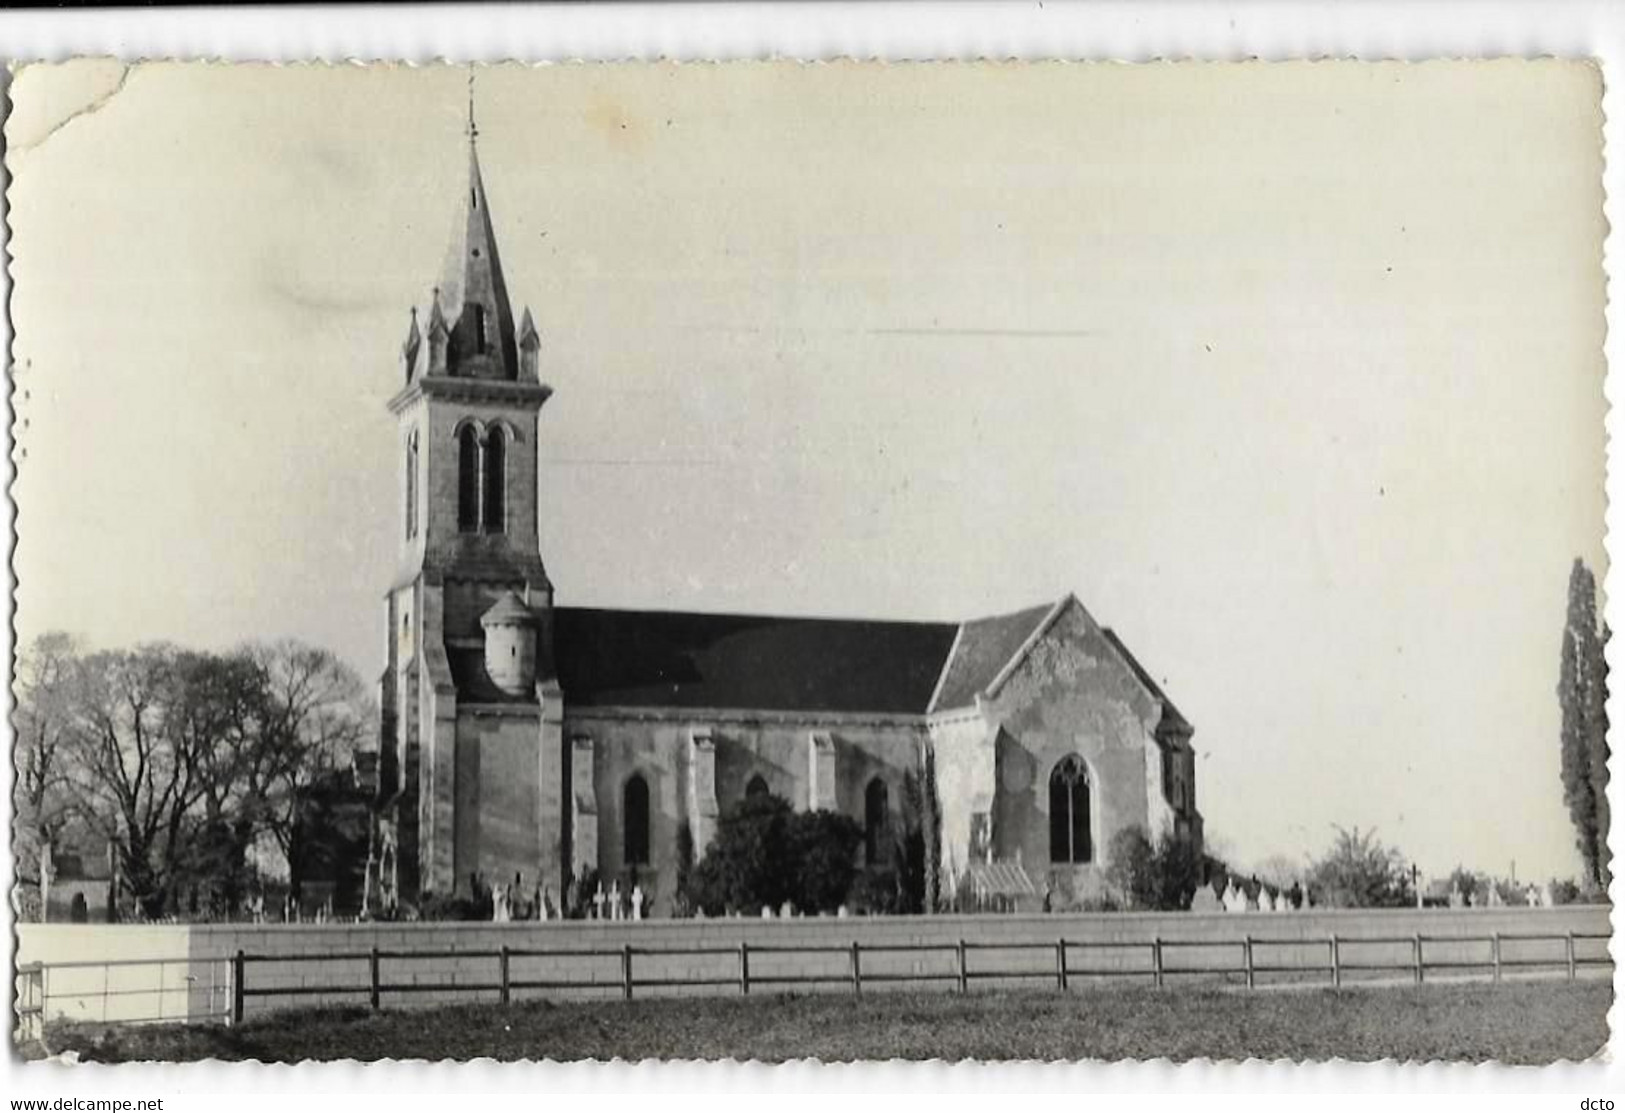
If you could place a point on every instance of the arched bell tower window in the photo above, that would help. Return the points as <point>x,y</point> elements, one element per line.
<point>635,820</point>
<point>756,789</point>
<point>468,480</point>
<point>1069,812</point>
<point>411,485</point>
<point>496,480</point>
<point>876,822</point>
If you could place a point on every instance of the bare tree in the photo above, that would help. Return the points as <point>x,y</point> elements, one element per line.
<point>316,714</point>
<point>42,798</point>
<point>133,764</point>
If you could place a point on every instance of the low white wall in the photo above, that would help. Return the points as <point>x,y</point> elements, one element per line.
<point>129,971</point>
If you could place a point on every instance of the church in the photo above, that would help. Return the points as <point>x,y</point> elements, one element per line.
<point>522,737</point>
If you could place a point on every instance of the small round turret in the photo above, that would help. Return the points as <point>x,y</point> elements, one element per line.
<point>510,644</point>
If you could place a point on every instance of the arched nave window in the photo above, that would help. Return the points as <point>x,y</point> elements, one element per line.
<point>876,822</point>
<point>635,821</point>
<point>1069,812</point>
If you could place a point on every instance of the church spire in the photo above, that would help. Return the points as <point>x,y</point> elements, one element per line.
<point>473,292</point>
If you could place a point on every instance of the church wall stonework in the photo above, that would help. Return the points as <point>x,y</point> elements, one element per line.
<point>440,483</point>
<point>1071,695</point>
<point>656,748</point>
<point>965,767</point>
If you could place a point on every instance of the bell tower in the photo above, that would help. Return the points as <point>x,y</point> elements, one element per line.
<point>467,413</point>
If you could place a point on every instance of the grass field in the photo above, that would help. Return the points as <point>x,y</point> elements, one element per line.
<point>1525,1023</point>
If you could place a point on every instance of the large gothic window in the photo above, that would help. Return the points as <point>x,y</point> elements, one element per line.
<point>411,485</point>
<point>876,822</point>
<point>468,480</point>
<point>1069,812</point>
<point>496,480</point>
<point>635,821</point>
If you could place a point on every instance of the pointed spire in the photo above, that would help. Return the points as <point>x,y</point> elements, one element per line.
<point>474,292</point>
<point>438,336</point>
<point>414,343</point>
<point>437,319</point>
<point>530,343</point>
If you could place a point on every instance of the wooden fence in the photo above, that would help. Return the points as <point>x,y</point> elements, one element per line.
<point>1071,963</point>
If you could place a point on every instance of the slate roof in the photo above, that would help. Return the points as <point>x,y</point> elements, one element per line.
<point>616,658</point>
<point>679,659</point>
<point>985,646</point>
<point>507,611</point>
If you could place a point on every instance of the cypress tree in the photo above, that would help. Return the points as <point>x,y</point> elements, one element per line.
<point>1582,692</point>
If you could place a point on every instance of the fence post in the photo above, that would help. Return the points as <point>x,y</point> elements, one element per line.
<point>1337,965</point>
<point>1416,954</point>
<point>1156,960</point>
<point>1247,949</point>
<point>626,971</point>
<point>1570,950</point>
<point>857,976</point>
<point>238,963</point>
<point>744,968</point>
<point>372,974</point>
<point>1060,965</point>
<point>964,973</point>
<point>1495,955</point>
<point>507,988</point>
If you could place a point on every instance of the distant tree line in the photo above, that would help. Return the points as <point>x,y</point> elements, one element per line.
<point>190,766</point>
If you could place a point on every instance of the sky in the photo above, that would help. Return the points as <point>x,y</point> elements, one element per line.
<point>1292,373</point>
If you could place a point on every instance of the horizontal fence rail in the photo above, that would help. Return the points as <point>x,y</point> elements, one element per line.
<point>1156,961</point>
<point>226,985</point>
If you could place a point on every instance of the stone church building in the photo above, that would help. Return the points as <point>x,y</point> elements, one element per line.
<point>522,736</point>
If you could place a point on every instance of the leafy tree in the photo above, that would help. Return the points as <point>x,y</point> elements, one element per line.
<point>764,854</point>
<point>823,847</point>
<point>681,906</point>
<point>747,864</point>
<point>912,851</point>
<point>1163,875</point>
<point>1358,871</point>
<point>1582,691</point>
<point>930,832</point>
<point>1130,871</point>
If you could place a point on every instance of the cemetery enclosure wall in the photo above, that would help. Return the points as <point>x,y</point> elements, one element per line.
<point>467,968</point>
